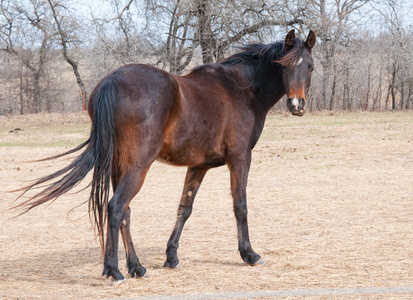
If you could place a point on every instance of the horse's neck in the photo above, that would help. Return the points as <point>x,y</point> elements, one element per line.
<point>265,83</point>
<point>268,86</point>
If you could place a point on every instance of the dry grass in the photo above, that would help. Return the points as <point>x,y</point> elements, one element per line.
<point>330,205</point>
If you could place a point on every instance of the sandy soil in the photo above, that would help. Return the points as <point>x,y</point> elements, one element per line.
<point>330,206</point>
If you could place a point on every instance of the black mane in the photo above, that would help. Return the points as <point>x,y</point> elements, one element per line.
<point>258,53</point>
<point>255,54</point>
<point>261,65</point>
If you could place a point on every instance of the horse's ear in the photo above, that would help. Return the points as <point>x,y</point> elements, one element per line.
<point>289,40</point>
<point>310,39</point>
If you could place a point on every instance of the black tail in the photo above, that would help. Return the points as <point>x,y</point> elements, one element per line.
<point>98,155</point>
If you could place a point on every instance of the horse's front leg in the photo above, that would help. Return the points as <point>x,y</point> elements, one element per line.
<point>194,177</point>
<point>239,169</point>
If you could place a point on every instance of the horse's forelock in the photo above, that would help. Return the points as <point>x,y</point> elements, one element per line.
<point>291,58</point>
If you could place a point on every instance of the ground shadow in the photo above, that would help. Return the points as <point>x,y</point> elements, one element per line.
<point>78,266</point>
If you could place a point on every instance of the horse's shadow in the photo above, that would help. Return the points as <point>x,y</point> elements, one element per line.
<point>77,266</point>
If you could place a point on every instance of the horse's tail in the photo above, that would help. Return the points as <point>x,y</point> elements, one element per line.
<point>98,155</point>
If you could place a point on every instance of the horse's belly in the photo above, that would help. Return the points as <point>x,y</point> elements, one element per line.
<point>191,155</point>
<point>194,139</point>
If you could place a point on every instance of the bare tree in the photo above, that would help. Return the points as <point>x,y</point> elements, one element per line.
<point>180,42</point>
<point>118,38</point>
<point>397,52</point>
<point>359,65</point>
<point>26,34</point>
<point>334,23</point>
<point>66,34</point>
<point>222,24</point>
<point>213,26</point>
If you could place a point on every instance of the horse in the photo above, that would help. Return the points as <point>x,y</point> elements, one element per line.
<point>210,117</point>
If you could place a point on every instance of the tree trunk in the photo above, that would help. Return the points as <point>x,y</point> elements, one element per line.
<point>36,93</point>
<point>21,89</point>
<point>379,91</point>
<point>206,36</point>
<point>326,60</point>
<point>392,88</point>
<point>402,95</point>
<point>346,91</point>
<point>368,86</point>
<point>333,88</point>
<point>393,97</point>
<point>386,104</point>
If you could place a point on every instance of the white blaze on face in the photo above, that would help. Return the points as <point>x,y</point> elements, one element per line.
<point>298,94</point>
<point>295,103</point>
<point>299,61</point>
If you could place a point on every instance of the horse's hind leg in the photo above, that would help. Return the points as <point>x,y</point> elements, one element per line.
<point>128,187</point>
<point>194,177</point>
<point>132,260</point>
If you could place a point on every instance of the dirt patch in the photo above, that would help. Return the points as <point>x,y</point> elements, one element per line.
<point>330,206</point>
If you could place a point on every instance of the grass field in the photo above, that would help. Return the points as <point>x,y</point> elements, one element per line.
<point>330,206</point>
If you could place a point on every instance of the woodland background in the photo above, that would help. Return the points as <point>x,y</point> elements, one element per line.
<point>53,52</point>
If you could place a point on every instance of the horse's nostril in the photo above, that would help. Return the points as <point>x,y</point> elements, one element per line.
<point>302,103</point>
<point>289,103</point>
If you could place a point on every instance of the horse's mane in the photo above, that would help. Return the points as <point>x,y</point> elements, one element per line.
<point>257,62</point>
<point>258,53</point>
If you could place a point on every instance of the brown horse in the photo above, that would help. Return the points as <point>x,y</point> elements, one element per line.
<point>211,117</point>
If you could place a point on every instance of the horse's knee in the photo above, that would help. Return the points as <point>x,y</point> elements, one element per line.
<point>241,212</point>
<point>184,212</point>
<point>116,213</point>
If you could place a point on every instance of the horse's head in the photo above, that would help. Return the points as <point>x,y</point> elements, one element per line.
<point>297,65</point>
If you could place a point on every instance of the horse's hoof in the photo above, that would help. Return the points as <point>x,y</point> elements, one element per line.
<point>178,266</point>
<point>251,258</point>
<point>112,272</point>
<point>172,265</point>
<point>137,271</point>
<point>117,283</point>
<point>260,262</point>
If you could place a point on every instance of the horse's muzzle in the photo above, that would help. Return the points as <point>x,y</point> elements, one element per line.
<point>296,106</point>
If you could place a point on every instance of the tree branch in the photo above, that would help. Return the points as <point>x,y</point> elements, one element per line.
<point>223,45</point>
<point>64,42</point>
